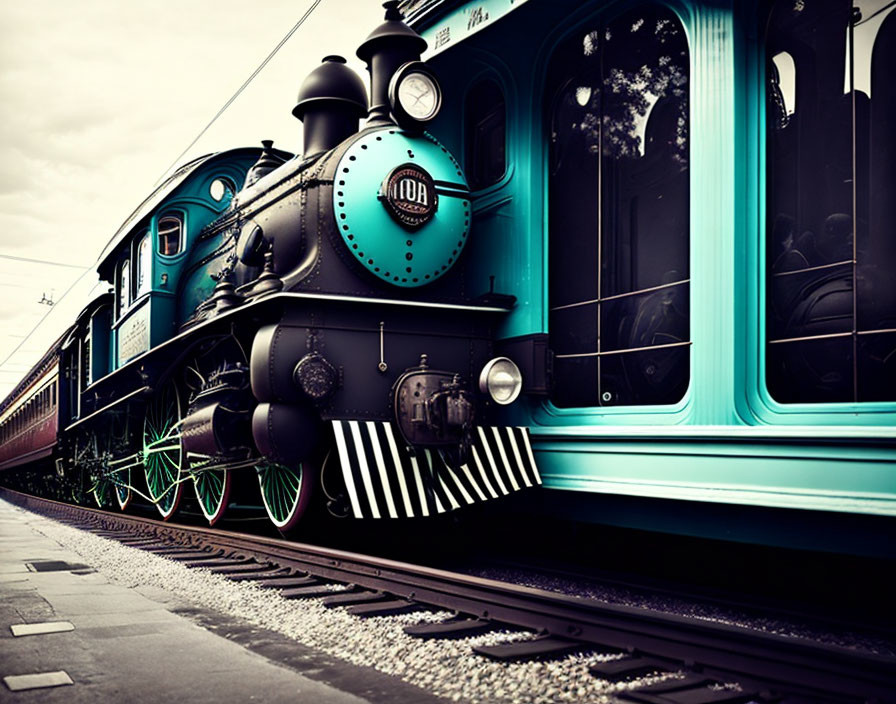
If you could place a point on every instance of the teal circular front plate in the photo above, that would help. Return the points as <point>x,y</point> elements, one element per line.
<point>413,236</point>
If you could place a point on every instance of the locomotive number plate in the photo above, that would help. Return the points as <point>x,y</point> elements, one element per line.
<point>409,195</point>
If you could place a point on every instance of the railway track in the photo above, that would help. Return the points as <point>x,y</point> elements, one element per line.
<point>716,663</point>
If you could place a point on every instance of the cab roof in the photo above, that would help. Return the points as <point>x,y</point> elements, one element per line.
<point>165,190</point>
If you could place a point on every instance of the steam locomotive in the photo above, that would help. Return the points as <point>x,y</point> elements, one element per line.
<point>307,321</point>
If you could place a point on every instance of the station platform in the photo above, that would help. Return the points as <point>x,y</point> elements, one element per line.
<point>69,634</point>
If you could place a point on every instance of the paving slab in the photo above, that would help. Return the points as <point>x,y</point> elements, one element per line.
<point>37,680</point>
<point>139,644</point>
<point>39,629</point>
<point>123,645</point>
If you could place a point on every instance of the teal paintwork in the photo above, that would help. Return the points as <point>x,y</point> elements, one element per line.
<point>177,283</point>
<point>726,441</point>
<point>402,257</point>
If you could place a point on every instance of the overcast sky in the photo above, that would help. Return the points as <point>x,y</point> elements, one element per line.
<point>97,97</point>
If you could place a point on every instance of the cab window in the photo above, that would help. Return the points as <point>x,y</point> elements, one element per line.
<point>170,235</point>
<point>124,286</point>
<point>144,266</point>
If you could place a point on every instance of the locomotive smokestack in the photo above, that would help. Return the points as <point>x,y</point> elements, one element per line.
<point>386,49</point>
<point>331,101</point>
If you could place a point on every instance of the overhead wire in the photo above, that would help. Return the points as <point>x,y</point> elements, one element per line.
<point>49,310</point>
<point>242,87</point>
<point>205,129</point>
<point>48,262</point>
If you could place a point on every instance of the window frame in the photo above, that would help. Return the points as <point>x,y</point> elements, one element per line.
<point>179,215</point>
<point>123,279</point>
<point>224,202</point>
<point>758,403</point>
<point>137,262</point>
<point>635,414</point>
<point>479,78</point>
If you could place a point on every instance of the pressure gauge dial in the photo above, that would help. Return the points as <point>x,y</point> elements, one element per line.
<point>419,96</point>
<point>414,95</point>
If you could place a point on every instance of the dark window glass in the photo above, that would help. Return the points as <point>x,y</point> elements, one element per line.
<point>170,235</point>
<point>617,109</point>
<point>485,119</point>
<point>831,172</point>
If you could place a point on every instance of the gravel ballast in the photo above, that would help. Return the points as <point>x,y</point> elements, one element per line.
<point>447,668</point>
<point>667,603</point>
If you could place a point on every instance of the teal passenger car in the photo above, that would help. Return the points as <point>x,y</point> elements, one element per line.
<point>693,204</point>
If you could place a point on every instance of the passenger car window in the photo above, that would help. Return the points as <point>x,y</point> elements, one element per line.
<point>831,171</point>
<point>618,202</point>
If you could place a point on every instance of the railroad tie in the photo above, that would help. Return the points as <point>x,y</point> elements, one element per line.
<point>310,592</point>
<point>265,577</point>
<point>182,554</point>
<point>692,689</point>
<point>391,607</point>
<point>353,597</point>
<point>283,581</point>
<point>238,568</point>
<point>454,628</point>
<point>626,668</point>
<point>543,646</point>
<point>211,561</point>
<point>138,542</point>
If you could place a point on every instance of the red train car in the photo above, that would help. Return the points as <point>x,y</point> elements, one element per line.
<point>29,416</point>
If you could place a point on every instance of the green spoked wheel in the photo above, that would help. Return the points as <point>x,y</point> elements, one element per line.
<point>285,492</point>
<point>162,451</point>
<point>121,480</point>
<point>102,493</point>
<point>212,488</point>
<point>120,465</point>
<point>90,453</point>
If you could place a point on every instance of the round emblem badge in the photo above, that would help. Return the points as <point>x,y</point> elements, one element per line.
<point>409,195</point>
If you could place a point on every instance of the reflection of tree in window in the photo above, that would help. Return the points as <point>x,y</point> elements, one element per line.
<point>170,231</point>
<point>831,167</point>
<point>618,264</point>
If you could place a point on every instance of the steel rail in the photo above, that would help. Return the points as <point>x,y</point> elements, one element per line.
<point>768,667</point>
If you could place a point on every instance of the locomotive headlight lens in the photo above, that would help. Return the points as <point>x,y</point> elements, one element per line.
<point>501,379</point>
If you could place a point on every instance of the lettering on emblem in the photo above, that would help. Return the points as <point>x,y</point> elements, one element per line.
<point>409,195</point>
